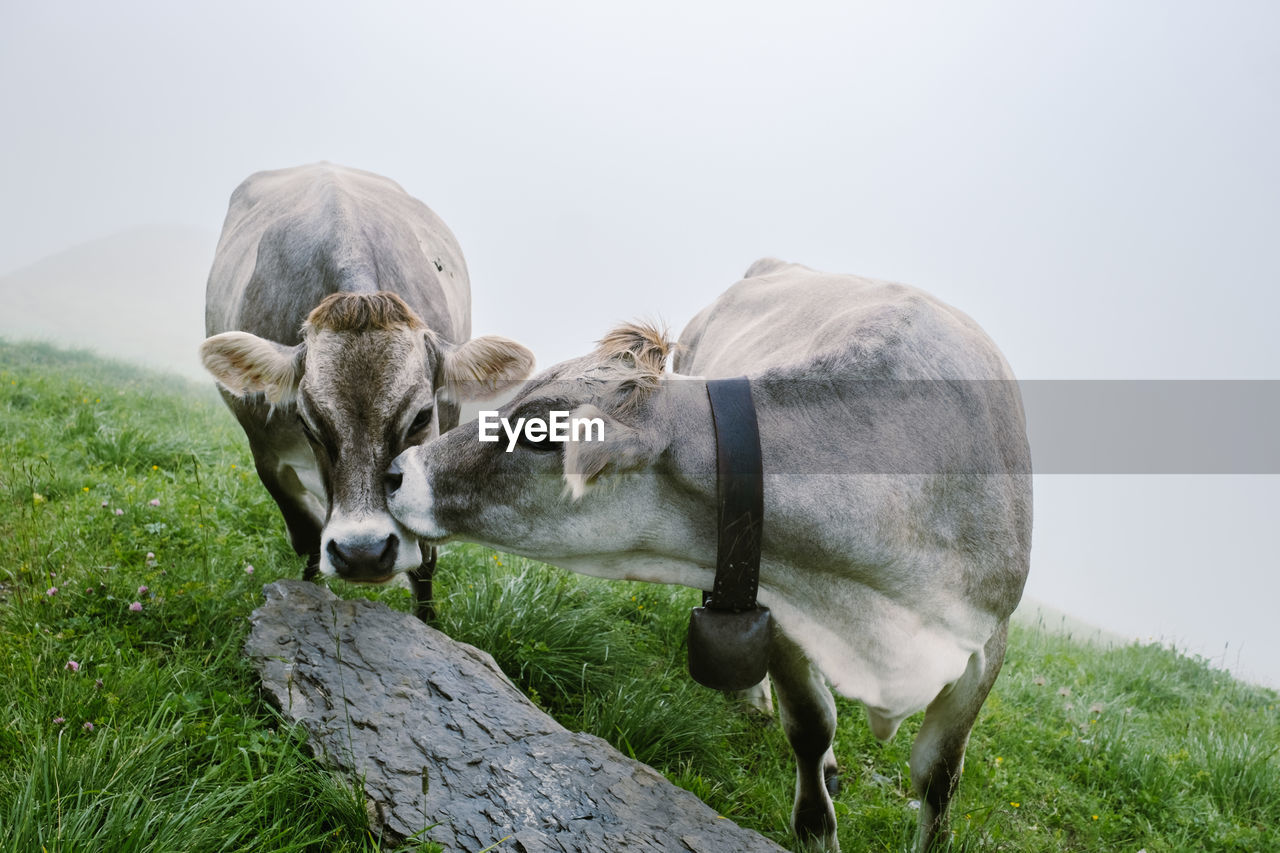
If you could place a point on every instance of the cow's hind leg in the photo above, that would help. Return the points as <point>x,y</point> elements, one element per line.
<point>937,756</point>
<point>420,581</point>
<point>809,720</point>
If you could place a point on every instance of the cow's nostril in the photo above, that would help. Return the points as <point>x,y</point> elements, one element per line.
<point>387,558</point>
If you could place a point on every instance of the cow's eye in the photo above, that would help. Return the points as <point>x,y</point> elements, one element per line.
<point>539,444</point>
<point>544,442</point>
<point>421,421</point>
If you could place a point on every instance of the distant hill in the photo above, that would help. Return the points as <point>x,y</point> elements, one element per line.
<point>137,295</point>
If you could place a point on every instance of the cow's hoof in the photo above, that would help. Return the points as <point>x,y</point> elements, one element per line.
<point>814,823</point>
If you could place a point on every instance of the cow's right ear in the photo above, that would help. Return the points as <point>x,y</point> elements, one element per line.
<point>596,454</point>
<point>246,364</point>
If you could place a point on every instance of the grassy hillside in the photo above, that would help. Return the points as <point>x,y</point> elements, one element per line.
<point>138,539</point>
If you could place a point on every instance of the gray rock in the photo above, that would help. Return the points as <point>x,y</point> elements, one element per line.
<point>441,736</point>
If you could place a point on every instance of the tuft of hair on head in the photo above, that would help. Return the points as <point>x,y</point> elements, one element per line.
<point>638,353</point>
<point>380,311</point>
<point>646,343</point>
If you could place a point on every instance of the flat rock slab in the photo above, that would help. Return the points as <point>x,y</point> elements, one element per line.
<point>441,736</point>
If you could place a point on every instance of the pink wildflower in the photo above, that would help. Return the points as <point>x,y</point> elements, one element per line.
<point>155,502</point>
<point>57,721</point>
<point>74,666</point>
<point>136,607</point>
<point>143,590</point>
<point>51,591</point>
<point>119,511</point>
<point>248,570</point>
<point>88,726</point>
<point>106,504</point>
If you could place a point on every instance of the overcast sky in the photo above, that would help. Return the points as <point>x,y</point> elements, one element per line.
<point>1095,182</point>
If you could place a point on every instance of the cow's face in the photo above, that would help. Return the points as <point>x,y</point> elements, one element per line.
<point>364,397</point>
<point>365,384</point>
<point>629,486</point>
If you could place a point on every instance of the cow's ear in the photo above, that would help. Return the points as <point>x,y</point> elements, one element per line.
<point>483,366</point>
<point>246,364</point>
<point>601,453</point>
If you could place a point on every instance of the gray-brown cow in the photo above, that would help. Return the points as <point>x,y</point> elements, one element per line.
<point>897,500</point>
<point>339,312</point>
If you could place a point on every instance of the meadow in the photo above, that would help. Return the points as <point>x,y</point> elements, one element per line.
<point>136,540</point>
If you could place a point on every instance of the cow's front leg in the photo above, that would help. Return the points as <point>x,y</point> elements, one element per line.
<point>758,699</point>
<point>311,570</point>
<point>304,529</point>
<point>809,720</point>
<point>420,581</point>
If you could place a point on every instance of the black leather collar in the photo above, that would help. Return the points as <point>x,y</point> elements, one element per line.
<point>739,495</point>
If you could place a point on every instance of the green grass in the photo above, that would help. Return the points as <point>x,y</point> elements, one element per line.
<point>1079,748</point>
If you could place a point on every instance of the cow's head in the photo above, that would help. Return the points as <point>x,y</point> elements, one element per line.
<point>646,485</point>
<point>365,383</point>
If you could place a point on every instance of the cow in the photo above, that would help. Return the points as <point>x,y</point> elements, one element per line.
<point>897,500</point>
<point>338,311</point>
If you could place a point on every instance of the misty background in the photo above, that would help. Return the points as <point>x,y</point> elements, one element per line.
<point>1095,183</point>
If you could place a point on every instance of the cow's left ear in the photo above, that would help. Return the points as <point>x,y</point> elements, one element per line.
<point>247,364</point>
<point>483,366</point>
<point>597,454</point>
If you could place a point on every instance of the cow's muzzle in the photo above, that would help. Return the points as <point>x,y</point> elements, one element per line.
<point>365,561</point>
<point>409,497</point>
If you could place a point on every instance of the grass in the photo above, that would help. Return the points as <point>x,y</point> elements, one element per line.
<point>156,739</point>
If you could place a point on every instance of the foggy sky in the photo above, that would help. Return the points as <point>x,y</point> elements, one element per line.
<point>1095,182</point>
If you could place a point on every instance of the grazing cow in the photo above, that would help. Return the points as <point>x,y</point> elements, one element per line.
<point>339,312</point>
<point>897,500</point>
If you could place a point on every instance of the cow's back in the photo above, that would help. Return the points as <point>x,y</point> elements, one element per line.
<point>784,315</point>
<point>294,236</point>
